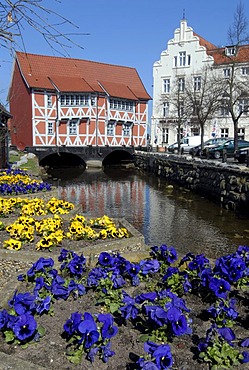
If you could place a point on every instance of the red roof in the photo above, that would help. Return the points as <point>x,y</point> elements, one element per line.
<point>220,57</point>
<point>77,75</point>
<point>219,54</point>
<point>203,42</point>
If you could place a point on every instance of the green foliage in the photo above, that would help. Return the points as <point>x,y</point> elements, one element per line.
<point>109,297</point>
<point>221,355</point>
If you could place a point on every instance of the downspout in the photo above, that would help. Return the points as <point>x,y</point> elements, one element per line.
<point>97,120</point>
<point>57,119</point>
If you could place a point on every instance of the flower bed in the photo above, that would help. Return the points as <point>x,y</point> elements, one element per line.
<point>131,315</point>
<point>157,313</point>
<point>16,182</point>
<point>41,225</point>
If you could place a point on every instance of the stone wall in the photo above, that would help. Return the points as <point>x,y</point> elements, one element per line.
<point>227,184</point>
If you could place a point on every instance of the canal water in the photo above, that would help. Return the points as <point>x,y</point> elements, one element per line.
<point>163,213</point>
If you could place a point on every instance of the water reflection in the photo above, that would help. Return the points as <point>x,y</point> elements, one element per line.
<point>164,215</point>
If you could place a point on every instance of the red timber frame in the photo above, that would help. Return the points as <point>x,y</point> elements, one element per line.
<point>63,119</point>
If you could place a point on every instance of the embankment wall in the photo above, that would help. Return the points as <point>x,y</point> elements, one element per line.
<point>227,184</point>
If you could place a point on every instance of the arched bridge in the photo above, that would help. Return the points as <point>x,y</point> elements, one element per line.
<point>97,156</point>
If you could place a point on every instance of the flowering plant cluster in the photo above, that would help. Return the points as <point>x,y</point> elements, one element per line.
<point>14,182</point>
<point>159,312</point>
<point>52,230</point>
<point>90,334</point>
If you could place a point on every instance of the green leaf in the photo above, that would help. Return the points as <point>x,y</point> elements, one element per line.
<point>9,336</point>
<point>144,337</point>
<point>75,356</point>
<point>41,330</point>
<point>114,307</point>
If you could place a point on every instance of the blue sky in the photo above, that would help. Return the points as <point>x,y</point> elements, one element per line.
<point>132,33</point>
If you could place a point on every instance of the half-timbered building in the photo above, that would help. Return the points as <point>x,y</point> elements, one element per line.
<point>58,101</point>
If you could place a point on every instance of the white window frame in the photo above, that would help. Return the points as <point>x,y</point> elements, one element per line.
<point>126,129</point>
<point>230,50</point>
<point>125,105</point>
<point>224,111</point>
<point>224,132</point>
<point>73,127</point>
<point>226,72</point>
<point>166,85</point>
<point>243,106</point>
<point>110,129</point>
<point>165,109</point>
<point>181,84</point>
<point>49,100</point>
<point>74,100</point>
<point>50,128</point>
<point>197,83</point>
<point>244,71</point>
<point>182,58</point>
<point>181,108</point>
<point>165,135</point>
<point>241,133</point>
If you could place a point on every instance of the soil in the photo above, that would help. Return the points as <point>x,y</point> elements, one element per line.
<point>50,351</point>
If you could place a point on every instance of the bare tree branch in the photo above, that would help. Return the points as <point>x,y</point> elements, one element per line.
<point>17,15</point>
<point>237,32</point>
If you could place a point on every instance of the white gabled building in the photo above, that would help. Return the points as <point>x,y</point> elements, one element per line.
<point>186,56</point>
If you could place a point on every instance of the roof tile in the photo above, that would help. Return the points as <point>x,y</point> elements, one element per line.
<point>76,75</point>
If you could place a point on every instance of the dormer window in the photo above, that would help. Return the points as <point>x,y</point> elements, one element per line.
<point>230,50</point>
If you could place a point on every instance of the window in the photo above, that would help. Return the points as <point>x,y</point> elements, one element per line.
<point>196,108</point>
<point>166,85</point>
<point>74,100</point>
<point>49,100</point>
<point>73,127</point>
<point>195,131</point>
<point>165,109</point>
<point>244,71</point>
<point>224,111</point>
<point>241,133</point>
<point>50,128</point>
<point>126,130</point>
<point>226,72</point>
<point>243,106</point>
<point>181,134</point>
<point>110,129</point>
<point>181,84</point>
<point>224,132</point>
<point>93,101</point>
<point>165,135</point>
<point>182,58</point>
<point>181,108</point>
<point>175,61</point>
<point>197,83</point>
<point>127,105</point>
<point>230,50</point>
<point>189,60</point>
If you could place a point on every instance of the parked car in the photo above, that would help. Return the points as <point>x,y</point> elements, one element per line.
<point>196,151</point>
<point>228,145</point>
<point>173,148</point>
<point>189,142</point>
<point>241,154</point>
<point>186,144</point>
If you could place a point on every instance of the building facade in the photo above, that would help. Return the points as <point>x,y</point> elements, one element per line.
<point>186,57</point>
<point>58,101</point>
<point>5,117</point>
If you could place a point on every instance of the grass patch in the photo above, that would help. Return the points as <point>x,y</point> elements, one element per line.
<point>32,164</point>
